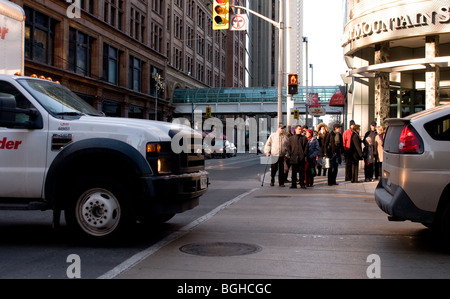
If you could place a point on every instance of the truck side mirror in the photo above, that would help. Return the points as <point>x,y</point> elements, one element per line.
<point>9,111</point>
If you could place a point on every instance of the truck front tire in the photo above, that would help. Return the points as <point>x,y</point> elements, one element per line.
<point>97,209</point>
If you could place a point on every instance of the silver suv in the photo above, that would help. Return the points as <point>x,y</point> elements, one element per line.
<point>415,183</point>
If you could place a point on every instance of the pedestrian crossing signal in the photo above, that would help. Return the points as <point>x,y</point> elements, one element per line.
<point>221,14</point>
<point>296,114</point>
<point>292,84</point>
<point>208,112</point>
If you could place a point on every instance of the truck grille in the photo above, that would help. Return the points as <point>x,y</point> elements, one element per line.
<point>186,162</point>
<point>194,159</point>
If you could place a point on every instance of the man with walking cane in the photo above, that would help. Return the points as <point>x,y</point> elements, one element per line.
<point>276,147</point>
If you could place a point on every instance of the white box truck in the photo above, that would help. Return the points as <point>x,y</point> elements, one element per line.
<point>59,153</point>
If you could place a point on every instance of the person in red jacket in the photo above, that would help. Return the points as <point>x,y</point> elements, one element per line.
<point>347,136</point>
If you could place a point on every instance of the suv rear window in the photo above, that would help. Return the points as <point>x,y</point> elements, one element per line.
<point>439,129</point>
<point>391,139</point>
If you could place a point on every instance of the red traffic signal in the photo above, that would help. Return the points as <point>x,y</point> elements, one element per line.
<point>292,84</point>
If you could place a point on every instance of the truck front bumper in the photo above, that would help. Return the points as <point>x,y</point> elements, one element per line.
<point>176,193</point>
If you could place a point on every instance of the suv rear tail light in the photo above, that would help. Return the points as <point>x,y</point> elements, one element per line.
<point>409,142</point>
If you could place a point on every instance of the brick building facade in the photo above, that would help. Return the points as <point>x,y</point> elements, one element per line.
<point>113,53</point>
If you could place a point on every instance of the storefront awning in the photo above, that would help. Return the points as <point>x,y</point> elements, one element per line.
<point>426,64</point>
<point>337,100</point>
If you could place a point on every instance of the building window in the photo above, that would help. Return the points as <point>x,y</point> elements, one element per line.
<point>113,13</point>
<point>190,37</point>
<point>157,38</point>
<point>112,108</point>
<point>189,65</point>
<point>79,52</point>
<point>178,58</point>
<point>137,25</point>
<point>157,5</point>
<point>111,64</point>
<point>39,36</point>
<point>136,66</point>
<point>200,45</point>
<point>178,27</point>
<point>88,5</point>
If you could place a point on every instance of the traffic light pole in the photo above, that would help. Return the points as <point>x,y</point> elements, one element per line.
<point>280,26</point>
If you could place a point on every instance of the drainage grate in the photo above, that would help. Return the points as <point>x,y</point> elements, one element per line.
<point>220,249</point>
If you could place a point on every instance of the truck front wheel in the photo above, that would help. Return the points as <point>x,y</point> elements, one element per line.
<point>97,210</point>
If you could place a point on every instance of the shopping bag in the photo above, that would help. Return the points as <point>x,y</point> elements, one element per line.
<point>326,163</point>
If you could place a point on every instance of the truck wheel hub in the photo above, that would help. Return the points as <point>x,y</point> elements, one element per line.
<point>100,210</point>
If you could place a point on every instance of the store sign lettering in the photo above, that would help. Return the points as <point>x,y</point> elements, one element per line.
<point>402,22</point>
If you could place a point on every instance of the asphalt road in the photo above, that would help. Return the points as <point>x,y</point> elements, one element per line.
<point>322,232</point>
<point>31,249</point>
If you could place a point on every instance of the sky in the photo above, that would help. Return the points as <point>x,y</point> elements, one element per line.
<point>323,25</point>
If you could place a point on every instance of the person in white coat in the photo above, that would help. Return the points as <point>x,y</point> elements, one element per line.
<point>276,148</point>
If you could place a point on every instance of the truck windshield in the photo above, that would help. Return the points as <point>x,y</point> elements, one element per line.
<point>57,99</point>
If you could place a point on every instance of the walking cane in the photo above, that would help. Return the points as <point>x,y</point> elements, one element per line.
<point>265,170</point>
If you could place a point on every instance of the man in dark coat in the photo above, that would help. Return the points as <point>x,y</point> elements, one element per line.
<point>334,147</point>
<point>372,133</point>
<point>297,152</point>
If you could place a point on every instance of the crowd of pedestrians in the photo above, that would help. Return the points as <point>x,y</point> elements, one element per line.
<point>309,153</point>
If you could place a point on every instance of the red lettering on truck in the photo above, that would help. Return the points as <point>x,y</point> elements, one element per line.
<point>8,144</point>
<point>4,30</point>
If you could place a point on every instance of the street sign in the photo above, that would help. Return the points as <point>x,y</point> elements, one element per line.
<point>239,22</point>
<point>314,100</point>
<point>317,111</point>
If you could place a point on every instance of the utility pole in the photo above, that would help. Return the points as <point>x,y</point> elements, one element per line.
<point>289,101</point>
<point>281,46</point>
<point>280,62</point>
<point>305,40</point>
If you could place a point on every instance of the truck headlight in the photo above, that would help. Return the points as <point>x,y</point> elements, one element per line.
<point>164,166</point>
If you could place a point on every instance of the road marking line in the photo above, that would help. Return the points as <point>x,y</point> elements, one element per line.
<point>140,256</point>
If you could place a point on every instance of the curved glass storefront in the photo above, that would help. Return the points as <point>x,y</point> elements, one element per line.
<point>398,54</point>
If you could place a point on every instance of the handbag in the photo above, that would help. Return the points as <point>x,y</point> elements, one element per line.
<point>326,163</point>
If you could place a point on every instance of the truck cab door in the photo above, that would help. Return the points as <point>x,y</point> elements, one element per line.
<point>23,145</point>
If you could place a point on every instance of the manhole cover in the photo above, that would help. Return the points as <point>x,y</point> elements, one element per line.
<point>220,249</point>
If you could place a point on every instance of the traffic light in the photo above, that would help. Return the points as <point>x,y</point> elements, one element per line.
<point>292,84</point>
<point>208,112</point>
<point>221,14</point>
<point>296,114</point>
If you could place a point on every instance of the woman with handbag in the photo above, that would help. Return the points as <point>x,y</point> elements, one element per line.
<point>322,130</point>
<point>313,150</point>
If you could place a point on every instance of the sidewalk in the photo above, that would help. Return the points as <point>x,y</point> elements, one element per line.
<point>271,232</point>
